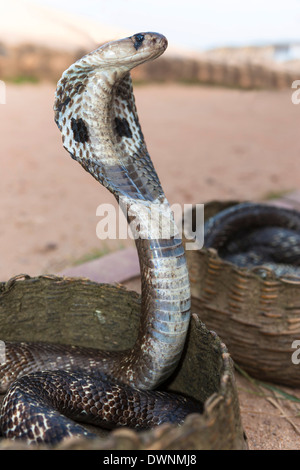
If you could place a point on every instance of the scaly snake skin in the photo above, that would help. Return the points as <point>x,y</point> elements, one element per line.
<point>96,114</point>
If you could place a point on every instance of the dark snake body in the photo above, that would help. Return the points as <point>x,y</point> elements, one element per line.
<point>252,235</point>
<point>47,404</point>
<point>96,114</point>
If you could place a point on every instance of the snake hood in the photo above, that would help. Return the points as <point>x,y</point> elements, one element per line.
<point>97,89</point>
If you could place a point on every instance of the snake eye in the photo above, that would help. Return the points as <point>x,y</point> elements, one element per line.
<point>139,38</point>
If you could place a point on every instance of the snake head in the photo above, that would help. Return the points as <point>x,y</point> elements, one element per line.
<point>127,53</point>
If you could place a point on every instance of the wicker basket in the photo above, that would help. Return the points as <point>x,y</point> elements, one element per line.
<point>257,316</point>
<point>81,312</point>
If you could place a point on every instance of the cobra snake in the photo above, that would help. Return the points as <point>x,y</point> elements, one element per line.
<point>51,385</point>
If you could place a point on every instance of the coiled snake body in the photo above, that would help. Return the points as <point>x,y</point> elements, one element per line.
<point>258,236</point>
<point>96,114</point>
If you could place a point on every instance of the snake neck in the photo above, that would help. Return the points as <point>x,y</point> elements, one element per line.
<point>96,113</point>
<point>165,306</point>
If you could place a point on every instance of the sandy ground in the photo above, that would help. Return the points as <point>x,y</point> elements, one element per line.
<point>206,143</point>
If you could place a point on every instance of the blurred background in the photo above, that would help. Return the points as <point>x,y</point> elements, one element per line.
<point>249,46</point>
<point>215,109</point>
